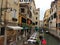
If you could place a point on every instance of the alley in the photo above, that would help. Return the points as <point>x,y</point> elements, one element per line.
<point>24,22</point>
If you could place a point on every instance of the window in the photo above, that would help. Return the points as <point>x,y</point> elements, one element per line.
<point>21,0</point>
<point>58,25</point>
<point>26,0</point>
<point>36,18</point>
<point>58,8</point>
<point>52,10</point>
<point>59,16</point>
<point>59,33</point>
<point>36,23</point>
<point>33,23</point>
<point>23,20</point>
<point>45,24</point>
<point>49,19</point>
<point>36,12</point>
<point>2,30</point>
<point>14,13</point>
<point>52,17</point>
<point>30,0</point>
<point>30,7</point>
<point>14,17</point>
<point>55,15</point>
<point>30,15</point>
<point>22,10</point>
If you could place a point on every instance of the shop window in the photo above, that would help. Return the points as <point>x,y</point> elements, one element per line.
<point>52,17</point>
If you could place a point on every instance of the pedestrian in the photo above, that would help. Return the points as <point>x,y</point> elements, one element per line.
<point>44,42</point>
<point>40,37</point>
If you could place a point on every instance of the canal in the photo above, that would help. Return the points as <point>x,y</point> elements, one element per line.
<point>51,40</point>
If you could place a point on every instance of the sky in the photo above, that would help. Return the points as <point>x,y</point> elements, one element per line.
<point>43,5</point>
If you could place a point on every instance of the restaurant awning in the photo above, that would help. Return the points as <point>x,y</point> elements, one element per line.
<point>15,27</point>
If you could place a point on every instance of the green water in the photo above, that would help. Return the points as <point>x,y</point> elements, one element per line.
<point>51,40</point>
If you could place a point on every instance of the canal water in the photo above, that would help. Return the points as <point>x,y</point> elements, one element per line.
<point>51,40</point>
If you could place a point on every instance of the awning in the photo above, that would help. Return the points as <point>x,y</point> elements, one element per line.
<point>15,27</point>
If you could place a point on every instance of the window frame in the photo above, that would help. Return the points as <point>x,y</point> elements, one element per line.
<point>21,10</point>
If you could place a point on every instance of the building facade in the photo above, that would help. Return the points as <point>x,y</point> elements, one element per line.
<point>40,23</point>
<point>46,16</point>
<point>9,17</point>
<point>58,18</point>
<point>37,15</point>
<point>54,20</point>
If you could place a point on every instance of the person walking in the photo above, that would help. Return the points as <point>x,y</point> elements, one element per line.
<point>40,37</point>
